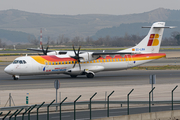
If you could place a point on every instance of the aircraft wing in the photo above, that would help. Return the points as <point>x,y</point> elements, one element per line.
<point>49,52</point>
<point>38,50</point>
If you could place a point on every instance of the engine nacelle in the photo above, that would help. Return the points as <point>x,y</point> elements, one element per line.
<point>87,56</point>
<point>53,53</point>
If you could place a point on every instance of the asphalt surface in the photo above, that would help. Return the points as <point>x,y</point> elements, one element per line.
<point>108,78</point>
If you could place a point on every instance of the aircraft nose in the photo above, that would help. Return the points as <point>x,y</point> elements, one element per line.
<point>8,69</point>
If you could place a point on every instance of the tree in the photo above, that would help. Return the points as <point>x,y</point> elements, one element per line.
<point>0,43</point>
<point>33,41</point>
<point>4,45</point>
<point>60,39</point>
<point>77,41</point>
<point>89,41</point>
<point>176,36</point>
<point>66,40</point>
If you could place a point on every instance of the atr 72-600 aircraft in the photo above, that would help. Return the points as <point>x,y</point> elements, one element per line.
<point>90,63</point>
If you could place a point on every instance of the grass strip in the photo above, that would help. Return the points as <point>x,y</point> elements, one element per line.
<point>165,67</point>
<point>17,54</point>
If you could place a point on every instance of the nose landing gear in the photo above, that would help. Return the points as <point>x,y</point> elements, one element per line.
<point>15,77</point>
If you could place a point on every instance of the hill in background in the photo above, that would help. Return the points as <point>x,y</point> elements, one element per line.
<point>82,25</point>
<point>134,29</point>
<point>13,37</point>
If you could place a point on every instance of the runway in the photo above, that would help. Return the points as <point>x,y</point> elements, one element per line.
<point>108,78</point>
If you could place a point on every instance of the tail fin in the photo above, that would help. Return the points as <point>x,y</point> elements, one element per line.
<point>151,43</point>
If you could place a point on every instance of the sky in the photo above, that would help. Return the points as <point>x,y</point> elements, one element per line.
<point>75,7</point>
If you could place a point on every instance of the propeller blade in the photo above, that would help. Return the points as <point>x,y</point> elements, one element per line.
<point>47,49</point>
<point>74,51</point>
<point>79,50</point>
<point>77,57</point>
<point>43,50</point>
<point>79,66</point>
<point>74,64</point>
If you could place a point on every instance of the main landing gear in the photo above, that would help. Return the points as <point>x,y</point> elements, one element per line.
<point>73,76</point>
<point>90,75</point>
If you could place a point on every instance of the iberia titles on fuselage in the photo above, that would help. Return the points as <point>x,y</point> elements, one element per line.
<point>88,63</point>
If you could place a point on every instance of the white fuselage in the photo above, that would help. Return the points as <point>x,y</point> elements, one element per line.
<point>37,65</point>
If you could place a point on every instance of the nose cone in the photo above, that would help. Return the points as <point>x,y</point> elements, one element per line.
<point>8,69</point>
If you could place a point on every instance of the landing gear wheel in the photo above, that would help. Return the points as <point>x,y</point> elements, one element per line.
<point>90,75</point>
<point>73,76</point>
<point>15,78</point>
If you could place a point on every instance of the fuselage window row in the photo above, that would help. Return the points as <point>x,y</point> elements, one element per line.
<point>72,62</point>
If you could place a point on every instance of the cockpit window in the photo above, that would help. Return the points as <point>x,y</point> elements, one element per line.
<point>24,61</point>
<point>19,62</point>
<point>15,61</point>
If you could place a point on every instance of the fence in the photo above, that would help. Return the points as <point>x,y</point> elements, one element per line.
<point>16,110</point>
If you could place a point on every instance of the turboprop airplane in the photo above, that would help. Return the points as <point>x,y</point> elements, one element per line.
<point>90,63</point>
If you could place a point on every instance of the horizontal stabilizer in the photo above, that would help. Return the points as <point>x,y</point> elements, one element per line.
<point>160,27</point>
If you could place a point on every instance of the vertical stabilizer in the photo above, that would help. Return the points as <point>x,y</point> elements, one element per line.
<point>151,43</point>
